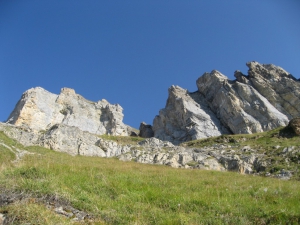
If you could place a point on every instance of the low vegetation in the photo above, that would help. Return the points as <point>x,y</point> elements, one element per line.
<point>273,145</point>
<point>123,140</point>
<point>281,137</point>
<point>115,192</point>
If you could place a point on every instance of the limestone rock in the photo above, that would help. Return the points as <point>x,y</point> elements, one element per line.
<point>186,117</point>
<point>146,130</point>
<point>21,134</point>
<point>39,109</point>
<point>154,142</point>
<point>277,85</point>
<point>36,109</point>
<point>266,98</point>
<point>72,140</point>
<point>239,106</point>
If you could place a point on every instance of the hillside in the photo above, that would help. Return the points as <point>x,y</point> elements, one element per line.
<point>67,160</point>
<point>41,186</point>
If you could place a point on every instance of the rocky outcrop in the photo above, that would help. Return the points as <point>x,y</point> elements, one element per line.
<point>39,110</point>
<point>278,86</point>
<point>74,141</point>
<point>23,135</point>
<point>266,98</point>
<point>239,106</point>
<point>186,117</point>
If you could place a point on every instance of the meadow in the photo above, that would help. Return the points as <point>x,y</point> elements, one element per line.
<point>116,192</point>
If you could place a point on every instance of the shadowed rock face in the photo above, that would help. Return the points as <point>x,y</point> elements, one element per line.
<point>295,125</point>
<point>264,99</point>
<point>146,130</point>
<point>39,109</point>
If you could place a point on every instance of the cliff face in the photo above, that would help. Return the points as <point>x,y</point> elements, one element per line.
<point>266,98</point>
<point>262,100</point>
<point>39,109</point>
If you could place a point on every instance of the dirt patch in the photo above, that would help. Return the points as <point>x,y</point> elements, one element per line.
<point>52,202</point>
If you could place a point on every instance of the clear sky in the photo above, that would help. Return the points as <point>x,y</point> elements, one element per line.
<point>131,52</point>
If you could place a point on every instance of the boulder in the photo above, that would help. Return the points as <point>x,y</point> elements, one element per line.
<point>146,130</point>
<point>295,125</point>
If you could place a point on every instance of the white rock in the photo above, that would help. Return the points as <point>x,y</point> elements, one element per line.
<point>39,109</point>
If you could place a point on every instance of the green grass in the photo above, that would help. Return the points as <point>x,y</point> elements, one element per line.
<point>116,192</point>
<point>270,143</point>
<point>123,140</point>
<point>267,140</point>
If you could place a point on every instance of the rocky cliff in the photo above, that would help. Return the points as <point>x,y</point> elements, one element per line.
<point>264,99</point>
<point>39,110</point>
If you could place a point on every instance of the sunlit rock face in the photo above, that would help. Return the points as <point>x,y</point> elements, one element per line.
<point>39,110</point>
<point>266,98</point>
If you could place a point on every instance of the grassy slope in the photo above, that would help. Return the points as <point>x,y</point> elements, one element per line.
<point>118,192</point>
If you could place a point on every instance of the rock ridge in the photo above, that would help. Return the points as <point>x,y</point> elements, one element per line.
<point>39,110</point>
<point>266,98</point>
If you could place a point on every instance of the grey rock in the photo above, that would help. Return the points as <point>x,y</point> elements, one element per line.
<point>186,117</point>
<point>266,98</point>
<point>23,135</point>
<point>277,85</point>
<point>284,175</point>
<point>287,150</point>
<point>239,106</point>
<point>294,124</point>
<point>146,130</point>
<point>154,142</point>
<point>74,141</point>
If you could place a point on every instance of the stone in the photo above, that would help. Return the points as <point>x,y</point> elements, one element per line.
<point>284,175</point>
<point>154,142</point>
<point>278,86</point>
<point>2,219</point>
<point>39,110</point>
<point>21,134</point>
<point>186,117</point>
<point>239,106</point>
<point>295,125</point>
<point>146,130</point>
<point>72,140</point>
<point>267,98</point>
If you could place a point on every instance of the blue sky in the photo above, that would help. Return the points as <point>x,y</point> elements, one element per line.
<point>131,52</point>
